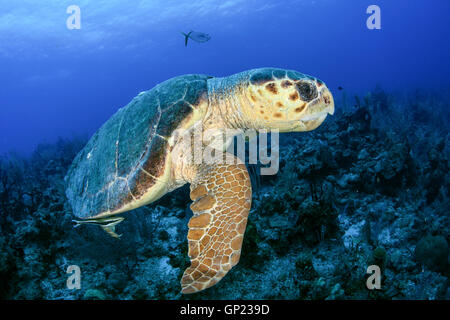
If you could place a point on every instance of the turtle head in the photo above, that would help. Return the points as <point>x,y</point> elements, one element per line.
<point>287,100</point>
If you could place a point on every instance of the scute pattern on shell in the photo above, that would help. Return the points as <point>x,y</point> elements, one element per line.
<point>125,157</point>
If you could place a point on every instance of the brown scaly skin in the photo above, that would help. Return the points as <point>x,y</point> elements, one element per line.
<point>222,196</point>
<point>283,100</point>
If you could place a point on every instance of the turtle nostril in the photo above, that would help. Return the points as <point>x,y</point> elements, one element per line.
<point>326,99</point>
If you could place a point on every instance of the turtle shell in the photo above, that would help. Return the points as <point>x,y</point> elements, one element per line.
<point>123,165</point>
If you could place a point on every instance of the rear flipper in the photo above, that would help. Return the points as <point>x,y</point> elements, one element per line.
<point>222,199</point>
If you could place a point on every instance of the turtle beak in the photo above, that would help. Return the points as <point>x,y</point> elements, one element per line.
<point>318,110</point>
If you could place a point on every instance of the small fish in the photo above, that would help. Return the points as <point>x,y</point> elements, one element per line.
<point>108,224</point>
<point>196,36</point>
<point>340,88</point>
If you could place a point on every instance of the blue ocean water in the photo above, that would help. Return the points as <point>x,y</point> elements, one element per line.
<point>57,82</point>
<point>369,187</point>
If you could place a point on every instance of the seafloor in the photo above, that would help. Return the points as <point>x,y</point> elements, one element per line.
<point>370,186</point>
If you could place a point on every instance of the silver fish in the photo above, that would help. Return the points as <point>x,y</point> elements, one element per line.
<point>108,224</point>
<point>196,36</point>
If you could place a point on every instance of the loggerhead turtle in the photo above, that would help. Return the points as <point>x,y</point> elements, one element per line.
<point>139,155</point>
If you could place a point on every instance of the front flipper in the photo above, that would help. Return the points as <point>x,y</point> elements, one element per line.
<point>222,196</point>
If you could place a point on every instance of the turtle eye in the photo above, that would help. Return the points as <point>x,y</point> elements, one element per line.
<point>307,91</point>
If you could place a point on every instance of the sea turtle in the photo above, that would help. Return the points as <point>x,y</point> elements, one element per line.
<point>145,151</point>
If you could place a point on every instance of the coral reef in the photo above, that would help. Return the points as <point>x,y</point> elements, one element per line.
<point>370,186</point>
<point>432,252</point>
